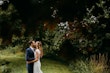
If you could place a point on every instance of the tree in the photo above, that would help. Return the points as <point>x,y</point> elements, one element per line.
<point>92,31</point>
<point>35,12</point>
<point>10,24</point>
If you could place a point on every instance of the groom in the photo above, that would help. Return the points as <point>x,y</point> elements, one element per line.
<point>30,56</point>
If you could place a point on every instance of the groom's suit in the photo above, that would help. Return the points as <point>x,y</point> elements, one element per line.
<point>30,57</point>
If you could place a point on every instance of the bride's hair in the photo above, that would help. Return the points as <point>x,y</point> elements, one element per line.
<point>40,44</point>
<point>40,47</point>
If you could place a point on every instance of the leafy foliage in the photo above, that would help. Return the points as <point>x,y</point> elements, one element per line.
<point>96,64</point>
<point>53,39</point>
<point>88,34</point>
<point>10,23</point>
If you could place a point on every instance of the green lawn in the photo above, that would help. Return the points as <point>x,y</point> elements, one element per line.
<point>52,66</point>
<point>17,65</point>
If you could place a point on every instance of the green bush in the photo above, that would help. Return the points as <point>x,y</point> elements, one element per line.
<point>5,69</point>
<point>10,50</point>
<point>96,64</point>
<point>90,33</point>
<point>53,39</point>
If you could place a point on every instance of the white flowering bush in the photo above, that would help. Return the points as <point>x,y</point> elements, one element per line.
<point>53,39</point>
<point>88,34</point>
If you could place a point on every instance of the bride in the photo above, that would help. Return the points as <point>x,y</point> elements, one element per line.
<point>38,54</point>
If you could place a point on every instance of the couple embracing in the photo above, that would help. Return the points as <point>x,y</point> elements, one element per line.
<point>33,55</point>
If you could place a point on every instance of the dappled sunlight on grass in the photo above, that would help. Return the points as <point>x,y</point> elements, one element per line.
<point>16,63</point>
<point>12,60</point>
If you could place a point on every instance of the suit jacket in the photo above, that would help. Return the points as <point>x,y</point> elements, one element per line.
<point>29,54</point>
<point>29,57</point>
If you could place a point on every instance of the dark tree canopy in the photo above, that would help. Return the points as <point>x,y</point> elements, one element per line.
<point>33,13</point>
<point>35,10</point>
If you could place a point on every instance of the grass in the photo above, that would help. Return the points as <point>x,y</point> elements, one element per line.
<point>15,63</point>
<point>96,64</point>
<point>52,66</point>
<point>12,60</point>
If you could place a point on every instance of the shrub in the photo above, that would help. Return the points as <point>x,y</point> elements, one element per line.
<point>53,39</point>
<point>9,50</point>
<point>96,64</point>
<point>90,34</point>
<point>5,69</point>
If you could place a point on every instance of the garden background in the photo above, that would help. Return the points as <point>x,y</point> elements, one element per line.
<point>75,35</point>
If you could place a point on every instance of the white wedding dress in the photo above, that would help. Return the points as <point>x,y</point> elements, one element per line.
<point>37,65</point>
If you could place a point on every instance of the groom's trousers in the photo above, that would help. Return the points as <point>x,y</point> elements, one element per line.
<point>30,68</point>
